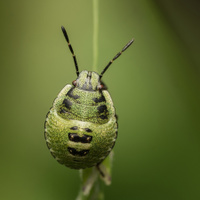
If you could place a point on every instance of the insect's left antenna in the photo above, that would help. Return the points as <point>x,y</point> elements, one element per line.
<point>70,48</point>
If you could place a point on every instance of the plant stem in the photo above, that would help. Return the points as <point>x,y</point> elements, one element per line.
<point>95,33</point>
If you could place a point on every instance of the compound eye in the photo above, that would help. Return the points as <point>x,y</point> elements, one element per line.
<point>74,83</point>
<point>99,87</point>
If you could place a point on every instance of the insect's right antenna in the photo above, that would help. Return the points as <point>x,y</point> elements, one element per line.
<point>117,56</point>
<point>71,49</point>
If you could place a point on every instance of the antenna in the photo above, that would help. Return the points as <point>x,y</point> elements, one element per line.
<point>117,56</point>
<point>70,48</point>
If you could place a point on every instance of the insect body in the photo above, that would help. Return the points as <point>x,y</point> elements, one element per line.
<point>81,127</point>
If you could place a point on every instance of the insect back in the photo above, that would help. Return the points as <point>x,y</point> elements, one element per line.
<point>81,126</point>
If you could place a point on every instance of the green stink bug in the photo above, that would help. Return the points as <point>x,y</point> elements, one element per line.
<point>81,126</point>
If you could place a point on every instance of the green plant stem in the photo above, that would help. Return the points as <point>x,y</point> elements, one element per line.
<point>95,33</point>
<point>92,181</point>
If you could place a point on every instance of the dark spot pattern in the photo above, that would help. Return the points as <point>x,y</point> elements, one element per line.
<point>74,128</point>
<point>99,100</point>
<point>76,138</point>
<point>103,117</point>
<point>70,94</point>
<point>74,152</point>
<point>88,130</point>
<point>102,108</point>
<point>67,103</point>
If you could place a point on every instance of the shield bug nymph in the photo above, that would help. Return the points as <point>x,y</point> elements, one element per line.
<point>81,126</point>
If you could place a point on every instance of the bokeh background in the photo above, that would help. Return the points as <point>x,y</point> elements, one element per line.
<point>155,87</point>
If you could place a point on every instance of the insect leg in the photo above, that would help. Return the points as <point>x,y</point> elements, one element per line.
<point>100,171</point>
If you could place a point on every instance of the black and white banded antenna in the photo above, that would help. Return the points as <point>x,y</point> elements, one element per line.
<point>71,49</point>
<point>116,56</point>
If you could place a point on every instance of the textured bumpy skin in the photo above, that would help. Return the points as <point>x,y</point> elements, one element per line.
<point>81,127</point>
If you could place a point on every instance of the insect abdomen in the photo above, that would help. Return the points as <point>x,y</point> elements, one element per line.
<point>81,147</point>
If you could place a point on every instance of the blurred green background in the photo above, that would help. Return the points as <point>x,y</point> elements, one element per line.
<point>155,87</point>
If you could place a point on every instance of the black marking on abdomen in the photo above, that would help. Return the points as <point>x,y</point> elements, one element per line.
<point>74,152</point>
<point>103,116</point>
<point>74,128</point>
<point>67,103</point>
<point>102,108</point>
<point>70,94</point>
<point>100,99</point>
<point>88,130</point>
<point>76,138</point>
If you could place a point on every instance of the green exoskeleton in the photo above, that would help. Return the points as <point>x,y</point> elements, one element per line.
<point>81,126</point>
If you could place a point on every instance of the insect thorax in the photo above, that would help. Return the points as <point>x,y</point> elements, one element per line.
<point>84,105</point>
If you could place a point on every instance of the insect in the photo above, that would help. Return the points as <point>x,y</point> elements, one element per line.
<point>81,126</point>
